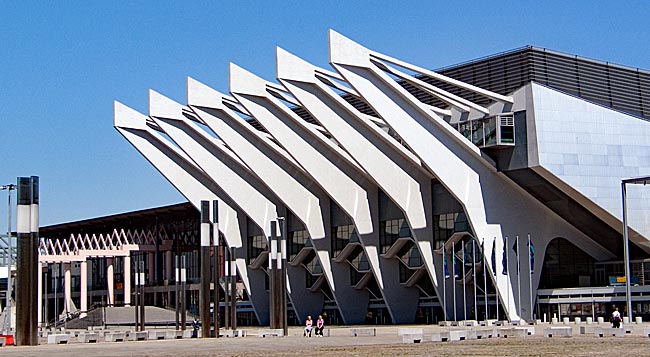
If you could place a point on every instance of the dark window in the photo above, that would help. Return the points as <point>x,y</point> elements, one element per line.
<point>341,236</point>
<point>296,241</point>
<point>256,245</point>
<point>390,231</point>
<point>566,266</point>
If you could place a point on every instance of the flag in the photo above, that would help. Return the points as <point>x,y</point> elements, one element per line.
<point>444,262</point>
<point>531,254</point>
<point>515,247</point>
<point>494,257</point>
<point>453,261</point>
<point>504,259</point>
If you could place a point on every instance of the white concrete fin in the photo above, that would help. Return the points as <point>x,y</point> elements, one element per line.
<point>243,81</point>
<point>126,117</point>
<point>201,95</point>
<point>344,50</point>
<point>163,107</point>
<point>291,66</point>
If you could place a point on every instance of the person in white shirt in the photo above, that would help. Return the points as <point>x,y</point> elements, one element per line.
<point>616,318</point>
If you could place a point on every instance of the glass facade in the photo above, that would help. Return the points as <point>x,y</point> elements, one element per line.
<point>341,236</point>
<point>296,241</point>
<point>256,245</point>
<point>391,230</point>
<point>566,266</point>
<point>447,224</point>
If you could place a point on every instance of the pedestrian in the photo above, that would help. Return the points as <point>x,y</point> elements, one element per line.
<point>195,328</point>
<point>616,318</point>
<point>308,327</point>
<point>320,324</point>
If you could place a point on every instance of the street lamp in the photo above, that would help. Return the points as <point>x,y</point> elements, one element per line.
<point>626,250</point>
<point>10,187</point>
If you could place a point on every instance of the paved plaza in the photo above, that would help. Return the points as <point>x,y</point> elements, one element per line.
<point>387,342</point>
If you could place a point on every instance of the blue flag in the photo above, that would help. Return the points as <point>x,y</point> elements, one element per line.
<point>444,263</point>
<point>504,259</point>
<point>531,253</point>
<point>515,247</point>
<point>453,261</point>
<point>494,257</point>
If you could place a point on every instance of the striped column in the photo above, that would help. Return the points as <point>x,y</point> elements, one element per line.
<point>110,281</point>
<point>204,295</point>
<point>26,304</point>
<point>215,249</point>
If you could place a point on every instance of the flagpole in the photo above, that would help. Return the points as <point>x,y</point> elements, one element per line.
<point>530,275</point>
<point>453,254</point>
<point>518,278</point>
<point>485,280</point>
<point>507,253</point>
<point>444,281</point>
<point>474,278</point>
<point>462,249</point>
<point>497,300</point>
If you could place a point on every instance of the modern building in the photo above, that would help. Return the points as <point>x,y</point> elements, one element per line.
<point>488,189</point>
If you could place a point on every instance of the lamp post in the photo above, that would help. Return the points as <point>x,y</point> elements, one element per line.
<point>9,253</point>
<point>626,249</point>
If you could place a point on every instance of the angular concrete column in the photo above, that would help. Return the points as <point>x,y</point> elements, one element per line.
<point>110,299</point>
<point>67,301</point>
<point>84,288</point>
<point>39,294</point>
<point>127,280</point>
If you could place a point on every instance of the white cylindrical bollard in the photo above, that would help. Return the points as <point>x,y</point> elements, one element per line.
<point>578,320</point>
<point>639,319</point>
<point>590,320</point>
<point>601,320</point>
<point>554,321</point>
<point>626,319</point>
<point>566,320</point>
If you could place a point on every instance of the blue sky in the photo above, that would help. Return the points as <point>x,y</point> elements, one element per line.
<point>63,63</point>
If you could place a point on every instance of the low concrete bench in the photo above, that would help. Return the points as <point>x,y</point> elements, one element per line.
<point>115,337</point>
<point>487,333</point>
<point>513,332</point>
<point>356,332</point>
<point>138,335</point>
<point>3,341</point>
<point>471,335</point>
<point>588,330</point>
<point>175,334</point>
<point>609,331</point>
<point>88,337</point>
<point>559,331</point>
<point>457,335</point>
<point>272,332</point>
<point>412,337</point>
<point>232,333</point>
<point>157,335</point>
<point>409,331</point>
<point>59,338</point>
<point>440,336</point>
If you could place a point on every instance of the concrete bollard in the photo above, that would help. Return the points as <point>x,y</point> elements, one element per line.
<point>565,320</point>
<point>578,320</point>
<point>639,320</point>
<point>554,321</point>
<point>590,320</point>
<point>601,320</point>
<point>626,319</point>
